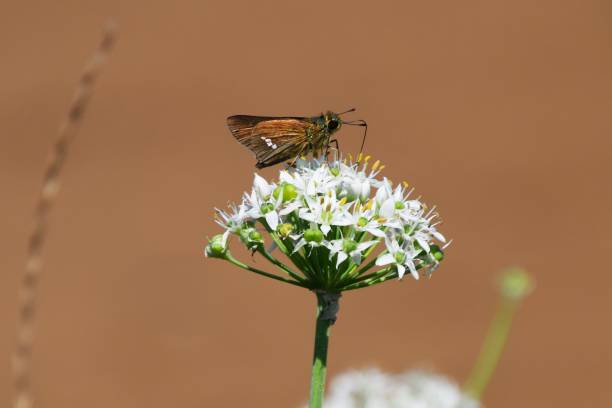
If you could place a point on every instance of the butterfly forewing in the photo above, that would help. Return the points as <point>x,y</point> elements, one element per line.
<point>272,139</point>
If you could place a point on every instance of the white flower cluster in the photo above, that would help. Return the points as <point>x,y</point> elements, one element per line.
<point>413,389</point>
<point>331,215</point>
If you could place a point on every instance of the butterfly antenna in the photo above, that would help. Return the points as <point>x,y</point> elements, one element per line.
<point>348,111</point>
<point>363,123</point>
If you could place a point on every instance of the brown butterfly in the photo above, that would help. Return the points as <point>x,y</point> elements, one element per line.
<point>275,139</point>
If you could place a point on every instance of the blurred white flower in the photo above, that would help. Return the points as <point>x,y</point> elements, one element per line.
<point>414,389</point>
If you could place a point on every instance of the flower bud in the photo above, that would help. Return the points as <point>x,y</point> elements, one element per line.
<point>335,171</point>
<point>255,236</point>
<point>215,247</point>
<point>313,235</point>
<point>288,190</point>
<point>436,252</point>
<point>348,245</point>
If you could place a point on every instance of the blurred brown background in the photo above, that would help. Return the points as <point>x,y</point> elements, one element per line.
<point>496,111</point>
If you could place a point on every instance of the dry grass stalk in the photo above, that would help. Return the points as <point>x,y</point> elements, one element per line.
<point>27,312</point>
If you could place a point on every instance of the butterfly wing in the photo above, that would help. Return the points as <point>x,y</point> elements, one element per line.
<point>272,139</point>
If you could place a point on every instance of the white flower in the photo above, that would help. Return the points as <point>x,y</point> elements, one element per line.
<point>400,256</point>
<point>262,204</point>
<point>340,208</point>
<point>262,187</point>
<point>347,248</point>
<point>326,211</point>
<point>232,221</point>
<point>413,389</point>
<point>395,207</point>
<point>364,220</point>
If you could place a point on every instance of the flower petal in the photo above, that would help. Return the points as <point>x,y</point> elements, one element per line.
<point>385,259</point>
<point>387,208</point>
<point>400,271</point>
<point>341,258</point>
<point>272,219</point>
<point>325,228</point>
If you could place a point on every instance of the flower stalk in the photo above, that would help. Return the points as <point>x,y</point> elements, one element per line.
<point>514,286</point>
<point>327,309</point>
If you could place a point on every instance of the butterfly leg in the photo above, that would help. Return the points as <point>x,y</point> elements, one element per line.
<point>335,141</point>
<point>329,143</point>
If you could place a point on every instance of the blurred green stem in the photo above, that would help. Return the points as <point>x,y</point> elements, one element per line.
<point>491,349</point>
<point>327,307</point>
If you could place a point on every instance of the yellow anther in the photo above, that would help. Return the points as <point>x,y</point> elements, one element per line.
<point>367,158</point>
<point>342,201</point>
<point>382,167</point>
<point>375,165</point>
<point>406,184</point>
<point>350,157</point>
<point>381,220</point>
<point>359,157</point>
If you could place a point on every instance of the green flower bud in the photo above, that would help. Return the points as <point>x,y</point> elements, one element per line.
<point>244,234</point>
<point>215,247</point>
<point>285,229</point>
<point>399,205</point>
<point>436,252</point>
<point>289,192</point>
<point>335,171</point>
<point>348,245</point>
<point>255,236</point>
<point>313,235</point>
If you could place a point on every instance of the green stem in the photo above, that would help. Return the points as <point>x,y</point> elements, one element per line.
<point>373,279</point>
<point>279,264</point>
<point>260,272</point>
<point>491,349</point>
<point>327,307</point>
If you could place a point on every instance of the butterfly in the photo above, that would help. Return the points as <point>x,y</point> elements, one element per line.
<point>276,139</point>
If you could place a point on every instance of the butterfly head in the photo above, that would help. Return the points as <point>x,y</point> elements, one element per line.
<point>332,121</point>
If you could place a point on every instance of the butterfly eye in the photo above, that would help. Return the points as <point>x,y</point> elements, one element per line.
<point>332,125</point>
